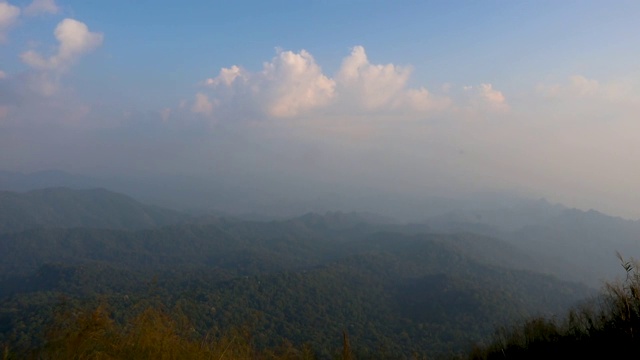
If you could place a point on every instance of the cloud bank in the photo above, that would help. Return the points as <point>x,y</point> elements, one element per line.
<point>365,123</point>
<point>38,7</point>
<point>292,85</point>
<point>9,15</point>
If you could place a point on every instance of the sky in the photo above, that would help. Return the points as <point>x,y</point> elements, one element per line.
<point>539,98</point>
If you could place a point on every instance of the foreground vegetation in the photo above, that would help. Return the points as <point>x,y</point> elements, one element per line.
<point>607,327</point>
<point>152,334</point>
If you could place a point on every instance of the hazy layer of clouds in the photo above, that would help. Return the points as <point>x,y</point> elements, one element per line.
<point>9,15</point>
<point>74,40</point>
<point>368,124</point>
<point>38,95</point>
<point>202,105</point>
<point>38,7</point>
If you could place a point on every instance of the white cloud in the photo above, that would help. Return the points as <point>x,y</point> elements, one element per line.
<point>38,94</point>
<point>202,105</point>
<point>74,39</point>
<point>227,76</point>
<point>371,86</point>
<point>290,84</point>
<point>41,7</point>
<point>293,84</point>
<point>8,16</point>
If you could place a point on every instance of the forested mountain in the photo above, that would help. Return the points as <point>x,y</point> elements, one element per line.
<point>21,182</point>
<point>66,208</point>
<point>581,244</point>
<point>431,288</point>
<point>569,243</point>
<point>395,289</point>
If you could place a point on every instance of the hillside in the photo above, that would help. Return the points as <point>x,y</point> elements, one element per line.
<point>305,280</point>
<point>434,287</point>
<point>67,208</point>
<point>571,244</point>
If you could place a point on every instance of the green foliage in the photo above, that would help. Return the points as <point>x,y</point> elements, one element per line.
<point>301,281</point>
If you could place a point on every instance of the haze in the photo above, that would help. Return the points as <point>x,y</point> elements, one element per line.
<point>416,99</point>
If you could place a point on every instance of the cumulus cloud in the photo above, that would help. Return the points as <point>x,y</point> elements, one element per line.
<point>38,7</point>
<point>8,16</point>
<point>293,84</point>
<point>290,84</point>
<point>372,86</point>
<point>74,39</point>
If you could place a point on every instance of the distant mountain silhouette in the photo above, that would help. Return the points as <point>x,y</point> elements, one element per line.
<point>16,181</point>
<point>92,208</point>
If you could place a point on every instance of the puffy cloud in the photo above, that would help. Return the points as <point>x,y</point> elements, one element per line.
<point>372,86</point>
<point>41,7</point>
<point>8,16</point>
<point>382,87</point>
<point>227,76</point>
<point>202,105</point>
<point>38,95</point>
<point>74,39</point>
<point>295,83</point>
<point>290,84</point>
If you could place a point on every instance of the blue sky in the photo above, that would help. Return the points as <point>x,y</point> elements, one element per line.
<point>538,97</point>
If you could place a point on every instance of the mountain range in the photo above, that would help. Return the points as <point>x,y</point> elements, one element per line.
<point>434,286</point>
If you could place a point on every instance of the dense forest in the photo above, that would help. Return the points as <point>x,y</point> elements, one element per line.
<point>306,284</point>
